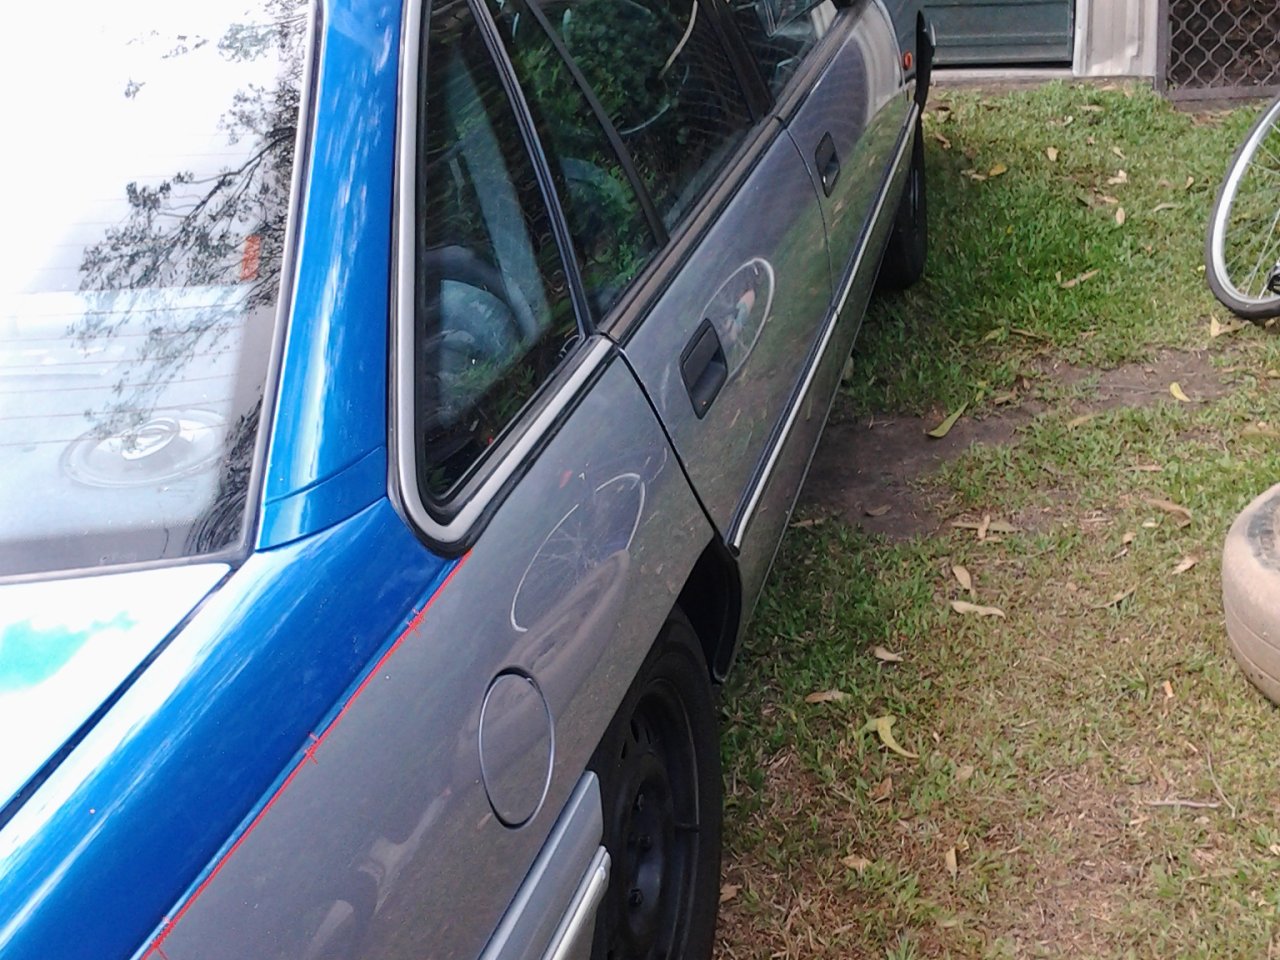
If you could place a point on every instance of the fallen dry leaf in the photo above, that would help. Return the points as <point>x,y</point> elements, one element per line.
<point>1147,468</point>
<point>946,144</point>
<point>1185,564</point>
<point>1080,421</point>
<point>1129,537</point>
<point>964,606</point>
<point>984,526</point>
<point>809,522</point>
<point>883,728</point>
<point>882,790</point>
<point>879,511</point>
<point>1190,181</point>
<point>942,429</point>
<point>886,656</point>
<point>1120,177</point>
<point>1260,430</point>
<point>1076,281</point>
<point>826,696</point>
<point>1052,154</point>
<point>1168,506</point>
<point>1217,329</point>
<point>950,859</point>
<point>1116,599</point>
<point>1176,390</point>
<point>856,863</point>
<point>1120,216</point>
<point>1168,690</point>
<point>1164,206</point>
<point>1118,152</point>
<point>964,773</point>
<point>997,170</point>
<point>1091,108</point>
<point>729,891</point>
<point>962,577</point>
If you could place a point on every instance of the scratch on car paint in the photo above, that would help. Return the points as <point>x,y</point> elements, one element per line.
<point>168,925</point>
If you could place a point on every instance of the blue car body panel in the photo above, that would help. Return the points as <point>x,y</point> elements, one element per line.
<point>66,646</point>
<point>116,836</point>
<point>327,455</point>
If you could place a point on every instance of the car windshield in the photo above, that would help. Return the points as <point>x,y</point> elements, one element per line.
<point>151,149</point>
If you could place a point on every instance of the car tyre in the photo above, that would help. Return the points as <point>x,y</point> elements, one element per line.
<point>1250,588</point>
<point>908,245</point>
<point>659,771</point>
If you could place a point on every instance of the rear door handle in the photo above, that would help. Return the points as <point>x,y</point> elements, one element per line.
<point>703,367</point>
<point>828,163</point>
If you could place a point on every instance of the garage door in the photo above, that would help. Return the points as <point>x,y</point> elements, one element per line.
<point>994,32</point>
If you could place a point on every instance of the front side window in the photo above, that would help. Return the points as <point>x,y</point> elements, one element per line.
<point>493,318</point>
<point>780,33</point>
<point>611,236</point>
<point>145,223</point>
<point>667,85</point>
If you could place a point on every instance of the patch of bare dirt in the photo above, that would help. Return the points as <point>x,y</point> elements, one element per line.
<point>870,464</point>
<point>865,471</point>
<point>1142,384</point>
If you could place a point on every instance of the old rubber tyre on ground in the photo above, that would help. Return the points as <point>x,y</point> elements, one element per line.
<point>1251,591</point>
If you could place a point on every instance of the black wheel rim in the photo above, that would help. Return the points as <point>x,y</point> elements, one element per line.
<point>654,823</point>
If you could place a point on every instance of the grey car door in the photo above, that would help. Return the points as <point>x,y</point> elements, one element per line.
<point>720,325</point>
<point>847,111</point>
<point>712,272</point>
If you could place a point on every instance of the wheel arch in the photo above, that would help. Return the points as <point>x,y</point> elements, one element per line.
<point>712,600</point>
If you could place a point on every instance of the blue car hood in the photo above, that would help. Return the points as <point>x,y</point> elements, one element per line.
<point>67,645</point>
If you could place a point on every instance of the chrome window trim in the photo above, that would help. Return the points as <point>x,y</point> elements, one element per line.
<point>562,390</point>
<point>738,529</point>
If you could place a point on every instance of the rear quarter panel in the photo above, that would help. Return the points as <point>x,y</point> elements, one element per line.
<point>385,823</point>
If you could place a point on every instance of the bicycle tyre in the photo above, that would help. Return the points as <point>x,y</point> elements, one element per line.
<point>1253,302</point>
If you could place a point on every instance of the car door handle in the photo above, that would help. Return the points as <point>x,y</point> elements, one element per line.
<point>828,163</point>
<point>703,367</point>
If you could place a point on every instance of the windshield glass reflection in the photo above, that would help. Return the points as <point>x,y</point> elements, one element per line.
<point>146,227</point>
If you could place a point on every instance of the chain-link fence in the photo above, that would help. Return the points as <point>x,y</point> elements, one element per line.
<point>1219,48</point>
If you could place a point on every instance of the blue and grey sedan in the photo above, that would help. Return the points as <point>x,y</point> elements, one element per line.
<point>401,403</point>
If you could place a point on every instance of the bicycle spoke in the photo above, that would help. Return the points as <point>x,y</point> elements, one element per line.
<point>1263,262</point>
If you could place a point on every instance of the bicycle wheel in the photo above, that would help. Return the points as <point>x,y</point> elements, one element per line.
<point>1242,246</point>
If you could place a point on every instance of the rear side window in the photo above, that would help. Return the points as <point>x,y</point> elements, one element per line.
<point>143,247</point>
<point>667,85</point>
<point>780,33</point>
<point>493,318</point>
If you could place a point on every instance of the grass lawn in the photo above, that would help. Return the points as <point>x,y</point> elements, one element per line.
<point>1034,807</point>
